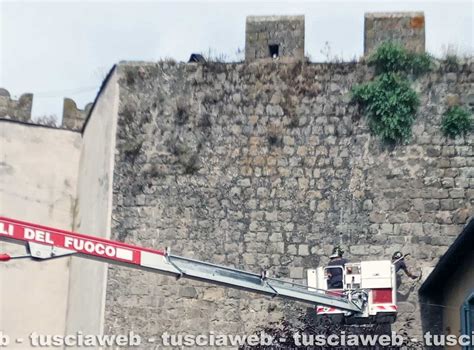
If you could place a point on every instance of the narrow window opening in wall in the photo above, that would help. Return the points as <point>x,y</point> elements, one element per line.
<point>274,50</point>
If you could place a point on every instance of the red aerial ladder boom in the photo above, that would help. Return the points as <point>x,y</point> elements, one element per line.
<point>47,243</point>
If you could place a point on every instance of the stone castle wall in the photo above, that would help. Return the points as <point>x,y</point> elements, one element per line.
<point>269,166</point>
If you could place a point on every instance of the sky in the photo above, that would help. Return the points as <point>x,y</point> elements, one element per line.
<point>60,49</point>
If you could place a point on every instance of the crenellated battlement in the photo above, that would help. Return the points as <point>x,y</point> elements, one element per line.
<point>20,110</point>
<point>283,37</point>
<point>73,117</point>
<point>15,109</point>
<point>405,28</point>
<point>274,37</point>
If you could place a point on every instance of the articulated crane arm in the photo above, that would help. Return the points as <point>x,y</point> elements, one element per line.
<point>47,243</point>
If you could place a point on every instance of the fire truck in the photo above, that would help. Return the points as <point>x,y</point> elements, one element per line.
<point>368,294</point>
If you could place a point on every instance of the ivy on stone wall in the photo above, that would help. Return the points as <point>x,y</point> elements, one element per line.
<point>390,105</point>
<point>393,58</point>
<point>388,101</point>
<point>456,121</point>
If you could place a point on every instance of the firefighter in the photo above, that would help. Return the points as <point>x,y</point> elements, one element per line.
<point>398,259</point>
<point>335,275</point>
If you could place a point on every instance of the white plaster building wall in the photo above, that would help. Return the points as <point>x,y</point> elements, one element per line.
<point>94,204</point>
<point>38,177</point>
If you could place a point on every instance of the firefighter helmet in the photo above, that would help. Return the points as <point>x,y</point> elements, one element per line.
<point>397,255</point>
<point>337,252</point>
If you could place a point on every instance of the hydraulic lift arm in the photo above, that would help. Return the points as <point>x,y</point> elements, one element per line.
<point>47,243</point>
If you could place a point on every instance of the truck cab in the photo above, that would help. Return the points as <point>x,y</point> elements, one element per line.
<point>375,281</point>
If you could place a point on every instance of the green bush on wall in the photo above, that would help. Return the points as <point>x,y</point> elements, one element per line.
<point>390,105</point>
<point>391,57</point>
<point>456,121</point>
<point>388,101</point>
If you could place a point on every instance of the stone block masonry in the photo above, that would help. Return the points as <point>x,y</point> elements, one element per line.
<point>406,28</point>
<point>274,37</point>
<point>20,110</point>
<point>269,166</point>
<point>73,117</point>
<point>15,109</point>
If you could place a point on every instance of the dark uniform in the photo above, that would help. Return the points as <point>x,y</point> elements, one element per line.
<point>398,260</point>
<point>335,279</point>
<point>400,265</point>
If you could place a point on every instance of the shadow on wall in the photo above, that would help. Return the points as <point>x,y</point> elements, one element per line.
<point>431,316</point>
